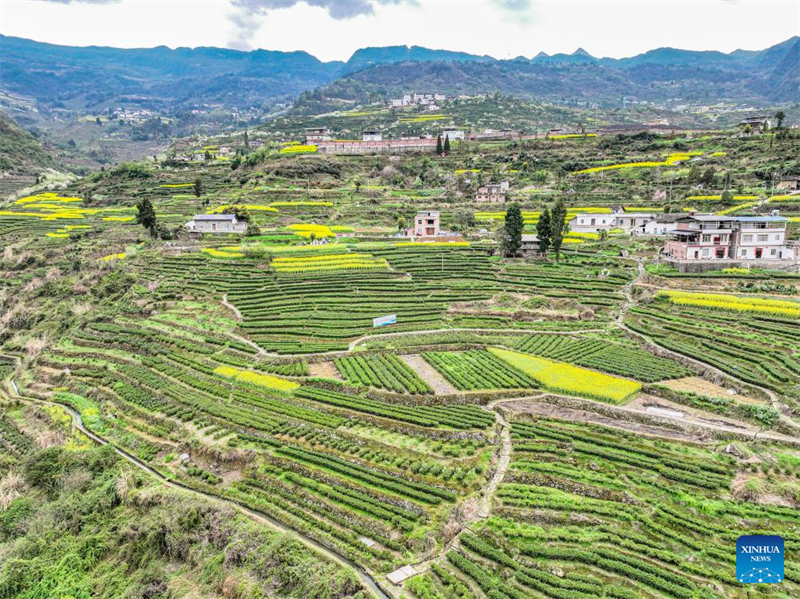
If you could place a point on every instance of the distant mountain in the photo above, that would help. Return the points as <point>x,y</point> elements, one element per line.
<point>667,74</point>
<point>366,57</point>
<point>92,78</point>
<point>87,77</point>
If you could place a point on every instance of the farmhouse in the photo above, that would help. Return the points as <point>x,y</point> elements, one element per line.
<point>492,135</point>
<point>215,223</point>
<point>371,135</point>
<point>633,222</point>
<point>384,146</point>
<point>757,124</point>
<point>530,244</point>
<point>592,223</point>
<point>426,228</point>
<point>662,223</point>
<point>426,224</point>
<point>493,192</point>
<point>790,183</point>
<point>317,134</point>
<point>453,133</point>
<point>724,240</point>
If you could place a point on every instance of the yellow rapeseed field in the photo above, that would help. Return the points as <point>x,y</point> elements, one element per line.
<point>256,378</point>
<point>733,303</point>
<point>566,378</point>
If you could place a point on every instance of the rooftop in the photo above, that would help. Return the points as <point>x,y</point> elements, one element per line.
<point>761,219</point>
<point>231,217</point>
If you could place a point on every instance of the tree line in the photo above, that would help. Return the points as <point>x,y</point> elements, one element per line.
<point>550,229</point>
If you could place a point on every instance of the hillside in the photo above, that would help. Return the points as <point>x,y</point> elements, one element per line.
<point>588,424</point>
<point>662,77</point>
<point>22,157</point>
<point>87,77</point>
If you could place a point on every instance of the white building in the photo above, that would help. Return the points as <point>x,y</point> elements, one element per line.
<point>315,134</point>
<point>592,223</point>
<point>453,133</point>
<point>761,237</point>
<point>216,223</point>
<point>371,135</point>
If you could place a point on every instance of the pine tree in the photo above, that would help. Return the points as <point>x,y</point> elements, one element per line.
<point>558,223</point>
<point>146,215</point>
<point>439,145</point>
<point>513,229</point>
<point>446,144</point>
<point>543,230</point>
<point>198,188</point>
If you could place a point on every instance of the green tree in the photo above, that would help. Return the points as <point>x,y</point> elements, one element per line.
<point>146,215</point>
<point>543,231</point>
<point>439,148</point>
<point>780,116</point>
<point>198,187</point>
<point>513,230</point>
<point>446,144</point>
<point>207,155</point>
<point>465,219</point>
<point>558,223</point>
<point>246,140</point>
<point>401,224</point>
<point>241,212</point>
<point>727,196</point>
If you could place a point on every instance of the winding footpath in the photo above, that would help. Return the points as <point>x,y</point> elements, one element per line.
<point>366,578</point>
<point>629,301</point>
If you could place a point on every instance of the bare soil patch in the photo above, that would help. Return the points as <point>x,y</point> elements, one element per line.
<point>439,384</point>
<point>324,369</point>
<point>695,384</point>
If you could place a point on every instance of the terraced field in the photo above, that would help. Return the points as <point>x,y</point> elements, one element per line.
<point>587,511</point>
<point>452,447</point>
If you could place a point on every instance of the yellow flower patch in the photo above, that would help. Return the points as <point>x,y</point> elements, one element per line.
<point>300,203</point>
<point>719,197</point>
<point>176,185</point>
<point>214,253</point>
<point>318,231</point>
<point>572,135</point>
<point>58,235</point>
<point>249,207</point>
<point>732,303</point>
<point>327,262</point>
<point>256,378</point>
<point>566,378</point>
<point>298,149</point>
<point>110,257</point>
<point>119,219</point>
<point>432,244</point>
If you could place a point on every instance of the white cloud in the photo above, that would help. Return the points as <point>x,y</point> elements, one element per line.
<point>334,29</point>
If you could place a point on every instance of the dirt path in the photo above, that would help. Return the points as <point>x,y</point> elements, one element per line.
<point>440,385</point>
<point>629,301</point>
<point>503,460</point>
<point>685,418</point>
<point>261,517</point>
<point>484,510</point>
<point>231,307</point>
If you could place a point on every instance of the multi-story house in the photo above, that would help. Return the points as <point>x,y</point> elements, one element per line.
<point>732,238</point>
<point>701,237</point>
<point>761,237</point>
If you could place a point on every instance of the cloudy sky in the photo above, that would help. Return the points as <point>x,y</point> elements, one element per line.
<point>333,29</point>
